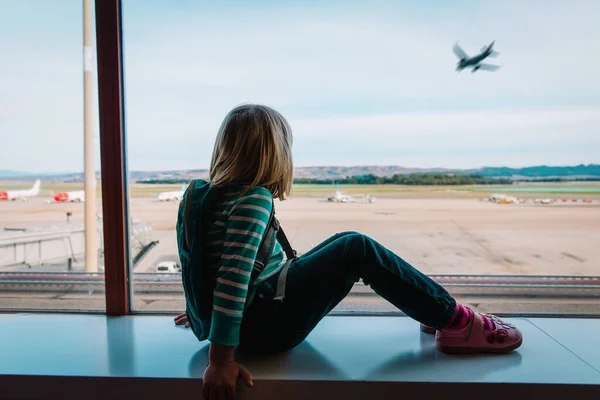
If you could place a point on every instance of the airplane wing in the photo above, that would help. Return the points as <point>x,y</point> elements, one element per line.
<point>488,67</point>
<point>460,53</point>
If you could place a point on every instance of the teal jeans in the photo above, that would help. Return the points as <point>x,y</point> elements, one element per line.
<point>319,279</point>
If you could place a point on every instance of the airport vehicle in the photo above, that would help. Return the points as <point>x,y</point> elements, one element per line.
<point>24,194</point>
<point>168,267</point>
<point>176,195</point>
<point>476,61</point>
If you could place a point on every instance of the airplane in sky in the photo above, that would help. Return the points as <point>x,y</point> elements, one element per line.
<point>71,197</point>
<point>476,61</point>
<point>21,194</point>
<point>172,196</point>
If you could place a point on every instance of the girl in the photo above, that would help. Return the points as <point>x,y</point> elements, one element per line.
<point>219,230</point>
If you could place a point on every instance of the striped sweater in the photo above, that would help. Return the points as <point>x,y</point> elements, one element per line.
<point>232,231</point>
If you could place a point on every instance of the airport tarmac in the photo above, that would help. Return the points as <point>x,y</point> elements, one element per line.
<point>436,235</point>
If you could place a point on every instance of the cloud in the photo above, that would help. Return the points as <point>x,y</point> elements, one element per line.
<point>375,81</point>
<point>461,140</point>
<point>466,139</point>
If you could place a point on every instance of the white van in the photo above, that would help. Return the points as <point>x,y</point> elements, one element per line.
<point>168,267</point>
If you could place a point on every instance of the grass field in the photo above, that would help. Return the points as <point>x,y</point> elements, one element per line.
<point>574,190</point>
<point>587,189</point>
<point>471,191</point>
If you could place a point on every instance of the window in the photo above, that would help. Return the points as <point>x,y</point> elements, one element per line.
<point>381,86</point>
<point>391,140</point>
<point>50,204</point>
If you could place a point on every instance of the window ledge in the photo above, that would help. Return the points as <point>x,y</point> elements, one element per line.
<point>92,356</point>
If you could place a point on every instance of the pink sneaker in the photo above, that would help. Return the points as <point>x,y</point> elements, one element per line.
<point>473,338</point>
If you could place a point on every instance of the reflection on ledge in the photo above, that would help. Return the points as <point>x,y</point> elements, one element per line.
<point>78,356</point>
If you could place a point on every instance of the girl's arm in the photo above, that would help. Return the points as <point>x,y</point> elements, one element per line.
<point>221,355</point>
<point>245,227</point>
<point>244,230</point>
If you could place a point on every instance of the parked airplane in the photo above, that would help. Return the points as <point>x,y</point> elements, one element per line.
<point>503,199</point>
<point>475,61</point>
<point>172,196</point>
<point>338,197</point>
<point>21,194</point>
<point>73,196</point>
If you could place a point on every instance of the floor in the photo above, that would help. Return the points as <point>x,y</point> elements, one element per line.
<point>371,349</point>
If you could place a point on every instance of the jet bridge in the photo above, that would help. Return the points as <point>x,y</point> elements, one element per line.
<point>58,244</point>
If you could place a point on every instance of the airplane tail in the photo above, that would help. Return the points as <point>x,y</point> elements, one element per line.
<point>36,187</point>
<point>488,49</point>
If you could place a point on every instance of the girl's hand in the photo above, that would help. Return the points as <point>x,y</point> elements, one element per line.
<point>181,319</point>
<point>220,380</point>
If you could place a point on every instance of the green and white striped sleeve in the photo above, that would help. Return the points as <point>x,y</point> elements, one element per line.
<point>244,229</point>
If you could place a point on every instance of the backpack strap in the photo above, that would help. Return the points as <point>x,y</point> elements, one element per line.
<point>285,243</point>
<point>265,250</point>
<point>281,281</point>
<point>291,257</point>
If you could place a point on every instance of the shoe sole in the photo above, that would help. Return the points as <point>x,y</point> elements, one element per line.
<point>428,329</point>
<point>477,350</point>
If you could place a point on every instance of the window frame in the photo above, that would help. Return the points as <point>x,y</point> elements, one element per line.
<point>109,50</point>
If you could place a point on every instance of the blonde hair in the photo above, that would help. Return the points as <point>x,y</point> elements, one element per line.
<point>253,148</point>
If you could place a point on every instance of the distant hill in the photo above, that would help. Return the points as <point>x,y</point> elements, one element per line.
<point>342,172</point>
<point>337,172</point>
<point>542,171</point>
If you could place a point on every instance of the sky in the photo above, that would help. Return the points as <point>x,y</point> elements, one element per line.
<point>361,83</point>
